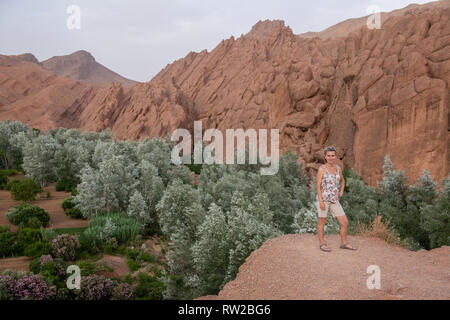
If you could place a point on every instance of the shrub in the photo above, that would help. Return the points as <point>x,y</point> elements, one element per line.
<point>28,236</point>
<point>36,249</point>
<point>25,190</point>
<point>9,172</point>
<point>48,235</point>
<point>131,253</point>
<point>33,223</point>
<point>380,228</point>
<point>35,265</point>
<point>305,221</point>
<point>65,185</point>
<point>23,212</point>
<point>68,204</point>
<point>74,191</point>
<point>11,183</point>
<point>358,201</point>
<point>95,287</point>
<point>54,271</point>
<point>133,265</point>
<point>70,210</point>
<point>436,218</point>
<point>4,293</point>
<point>3,180</point>
<point>31,241</point>
<point>9,244</point>
<point>148,286</point>
<point>147,257</point>
<point>6,282</point>
<point>123,291</point>
<point>75,213</point>
<point>31,287</point>
<point>64,246</point>
<point>87,268</point>
<point>45,258</point>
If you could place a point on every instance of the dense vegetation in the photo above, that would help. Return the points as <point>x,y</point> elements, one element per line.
<point>130,190</point>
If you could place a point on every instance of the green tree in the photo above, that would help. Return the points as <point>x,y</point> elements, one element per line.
<point>436,218</point>
<point>25,190</point>
<point>359,200</point>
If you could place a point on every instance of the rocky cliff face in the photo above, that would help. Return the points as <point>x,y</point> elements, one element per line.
<point>372,93</point>
<point>369,93</point>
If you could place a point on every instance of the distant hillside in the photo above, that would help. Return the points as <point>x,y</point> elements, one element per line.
<point>81,65</point>
<point>342,29</point>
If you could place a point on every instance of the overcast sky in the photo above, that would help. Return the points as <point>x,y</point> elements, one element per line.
<point>137,38</point>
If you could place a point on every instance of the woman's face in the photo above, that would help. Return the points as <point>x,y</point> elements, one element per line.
<point>331,156</point>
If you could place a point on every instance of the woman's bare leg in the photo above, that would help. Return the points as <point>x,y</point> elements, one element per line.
<point>320,227</point>
<point>343,229</point>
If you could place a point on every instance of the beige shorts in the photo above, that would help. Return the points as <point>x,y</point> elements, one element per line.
<point>335,208</point>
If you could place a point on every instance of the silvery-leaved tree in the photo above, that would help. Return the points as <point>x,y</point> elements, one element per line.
<point>246,233</point>
<point>211,252</point>
<point>225,239</point>
<point>138,209</point>
<point>100,153</point>
<point>120,178</point>
<point>157,152</point>
<point>393,188</point>
<point>424,190</point>
<point>90,198</point>
<point>70,157</point>
<point>39,159</point>
<point>179,215</point>
<point>10,151</point>
<point>151,188</point>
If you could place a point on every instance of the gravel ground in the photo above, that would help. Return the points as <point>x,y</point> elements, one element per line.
<point>16,263</point>
<point>292,267</point>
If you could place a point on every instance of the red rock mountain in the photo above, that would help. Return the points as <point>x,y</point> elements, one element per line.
<point>81,65</point>
<point>368,92</point>
<point>343,28</point>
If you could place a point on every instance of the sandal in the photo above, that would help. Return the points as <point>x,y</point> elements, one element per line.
<point>346,246</point>
<point>324,249</point>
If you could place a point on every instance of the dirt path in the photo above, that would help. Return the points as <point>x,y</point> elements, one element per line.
<point>16,263</point>
<point>118,264</point>
<point>52,205</point>
<point>293,267</point>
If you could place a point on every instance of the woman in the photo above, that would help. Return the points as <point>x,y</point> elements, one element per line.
<point>329,190</point>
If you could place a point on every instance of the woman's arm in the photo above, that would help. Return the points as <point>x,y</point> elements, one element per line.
<point>342,183</point>
<point>319,183</point>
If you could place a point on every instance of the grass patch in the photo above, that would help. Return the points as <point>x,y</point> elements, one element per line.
<point>133,265</point>
<point>72,231</point>
<point>381,230</point>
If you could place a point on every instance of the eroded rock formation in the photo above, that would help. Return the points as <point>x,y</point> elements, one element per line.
<point>369,93</point>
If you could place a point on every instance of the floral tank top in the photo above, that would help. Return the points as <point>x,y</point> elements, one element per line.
<point>330,186</point>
